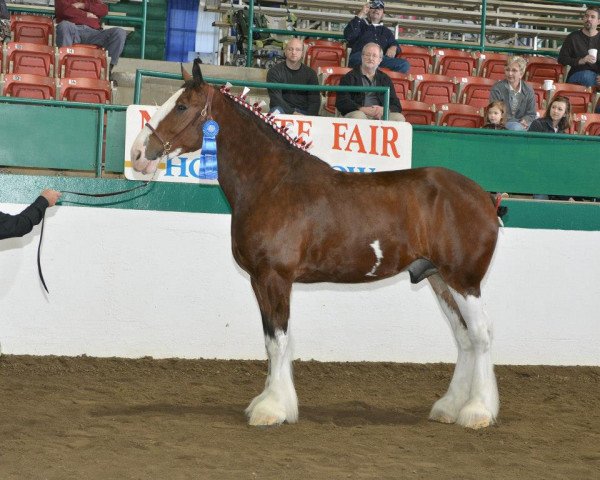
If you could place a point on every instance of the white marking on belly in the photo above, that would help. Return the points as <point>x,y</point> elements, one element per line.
<point>379,256</point>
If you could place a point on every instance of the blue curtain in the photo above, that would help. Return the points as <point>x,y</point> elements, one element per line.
<point>182,18</point>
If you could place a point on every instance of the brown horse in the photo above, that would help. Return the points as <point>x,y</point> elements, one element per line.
<point>293,220</point>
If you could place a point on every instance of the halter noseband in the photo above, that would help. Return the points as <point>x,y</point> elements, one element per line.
<point>206,113</point>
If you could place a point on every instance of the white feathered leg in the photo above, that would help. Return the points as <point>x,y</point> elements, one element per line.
<point>447,408</point>
<point>278,402</point>
<point>482,407</point>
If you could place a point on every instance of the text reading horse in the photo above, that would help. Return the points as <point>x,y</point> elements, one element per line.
<point>291,222</point>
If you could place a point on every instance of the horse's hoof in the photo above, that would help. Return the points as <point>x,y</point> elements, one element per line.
<point>444,410</point>
<point>259,417</point>
<point>475,415</point>
<point>441,417</point>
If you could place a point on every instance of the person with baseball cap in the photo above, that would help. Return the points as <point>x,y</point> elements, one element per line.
<point>366,27</point>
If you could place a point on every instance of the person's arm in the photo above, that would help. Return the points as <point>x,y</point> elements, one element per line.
<point>354,30</point>
<point>343,100</point>
<point>391,47</point>
<point>22,223</point>
<point>276,96</point>
<point>530,112</point>
<point>568,55</point>
<point>314,98</point>
<point>496,94</point>
<point>96,7</point>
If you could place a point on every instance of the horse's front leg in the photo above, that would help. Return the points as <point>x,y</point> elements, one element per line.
<point>278,402</point>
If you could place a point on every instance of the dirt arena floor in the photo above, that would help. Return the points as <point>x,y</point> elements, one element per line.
<point>88,418</point>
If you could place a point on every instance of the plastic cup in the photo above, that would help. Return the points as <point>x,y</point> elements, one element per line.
<point>593,52</point>
<point>548,84</point>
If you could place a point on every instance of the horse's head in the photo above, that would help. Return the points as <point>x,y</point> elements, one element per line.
<point>177,125</point>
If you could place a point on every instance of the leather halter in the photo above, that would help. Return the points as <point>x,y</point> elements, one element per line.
<point>206,114</point>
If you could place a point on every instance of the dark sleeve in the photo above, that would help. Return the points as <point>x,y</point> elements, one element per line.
<point>567,55</point>
<point>390,41</point>
<point>4,10</point>
<point>314,98</point>
<point>353,30</point>
<point>23,223</point>
<point>536,126</point>
<point>343,100</point>
<point>276,96</point>
<point>495,93</point>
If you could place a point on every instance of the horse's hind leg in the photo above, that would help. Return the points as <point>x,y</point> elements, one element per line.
<point>447,408</point>
<point>278,402</point>
<point>482,407</point>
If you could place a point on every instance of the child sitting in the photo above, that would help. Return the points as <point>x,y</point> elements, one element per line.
<point>495,115</point>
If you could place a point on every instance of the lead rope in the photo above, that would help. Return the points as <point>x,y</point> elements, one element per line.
<point>82,194</point>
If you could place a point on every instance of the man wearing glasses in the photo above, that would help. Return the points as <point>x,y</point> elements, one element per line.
<point>368,105</point>
<point>366,27</point>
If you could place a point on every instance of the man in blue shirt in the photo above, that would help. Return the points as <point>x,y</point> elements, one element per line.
<point>365,28</point>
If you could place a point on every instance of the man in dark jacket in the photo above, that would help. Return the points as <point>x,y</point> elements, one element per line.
<point>365,28</point>
<point>4,21</point>
<point>22,223</point>
<point>578,51</point>
<point>367,105</point>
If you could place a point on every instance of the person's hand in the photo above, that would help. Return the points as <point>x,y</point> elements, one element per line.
<point>587,59</point>
<point>51,195</point>
<point>79,5</point>
<point>363,11</point>
<point>391,52</point>
<point>525,124</point>
<point>91,15</point>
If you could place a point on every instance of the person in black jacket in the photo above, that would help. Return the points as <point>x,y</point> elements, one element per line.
<point>366,27</point>
<point>363,104</point>
<point>557,118</point>
<point>22,223</point>
<point>4,22</point>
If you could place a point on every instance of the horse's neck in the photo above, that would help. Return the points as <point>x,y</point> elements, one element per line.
<point>248,158</point>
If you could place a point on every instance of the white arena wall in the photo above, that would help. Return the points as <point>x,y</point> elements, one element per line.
<point>132,283</point>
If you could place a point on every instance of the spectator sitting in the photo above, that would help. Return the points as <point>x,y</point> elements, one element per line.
<point>518,97</point>
<point>79,22</point>
<point>4,22</point>
<point>293,71</point>
<point>368,105</point>
<point>495,116</point>
<point>557,118</point>
<point>365,28</point>
<point>575,51</point>
<point>22,223</point>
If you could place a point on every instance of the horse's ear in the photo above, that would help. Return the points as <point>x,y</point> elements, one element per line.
<point>185,74</point>
<point>196,72</point>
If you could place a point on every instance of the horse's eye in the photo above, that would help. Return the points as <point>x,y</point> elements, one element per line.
<point>181,108</point>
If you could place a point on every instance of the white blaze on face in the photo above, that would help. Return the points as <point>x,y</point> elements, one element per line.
<point>378,257</point>
<point>138,149</point>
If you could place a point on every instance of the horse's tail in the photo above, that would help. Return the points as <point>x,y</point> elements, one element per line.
<point>500,211</point>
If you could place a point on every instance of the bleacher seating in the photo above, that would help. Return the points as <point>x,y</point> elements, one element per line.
<point>331,76</point>
<point>454,63</point>
<point>418,113</point>
<point>324,53</point>
<point>25,85</point>
<point>88,90</point>
<point>589,123</point>
<point>83,61</point>
<point>32,29</point>
<point>543,68</point>
<point>540,94</point>
<point>419,58</point>
<point>457,115</point>
<point>402,83</point>
<point>434,89</point>
<point>475,91</point>
<point>491,65</point>
<point>32,58</point>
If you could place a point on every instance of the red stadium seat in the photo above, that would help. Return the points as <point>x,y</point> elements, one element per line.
<point>540,94</point>
<point>324,53</point>
<point>26,85</point>
<point>579,96</point>
<point>419,58</point>
<point>32,29</point>
<point>436,89</point>
<point>418,113</point>
<point>457,115</point>
<point>491,65</point>
<point>402,83</point>
<point>30,58</point>
<point>475,91</point>
<point>589,123</point>
<point>543,68</point>
<point>454,63</point>
<point>332,76</point>
<point>83,61</point>
<point>88,90</point>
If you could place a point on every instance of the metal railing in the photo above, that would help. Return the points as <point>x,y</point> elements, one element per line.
<point>277,86</point>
